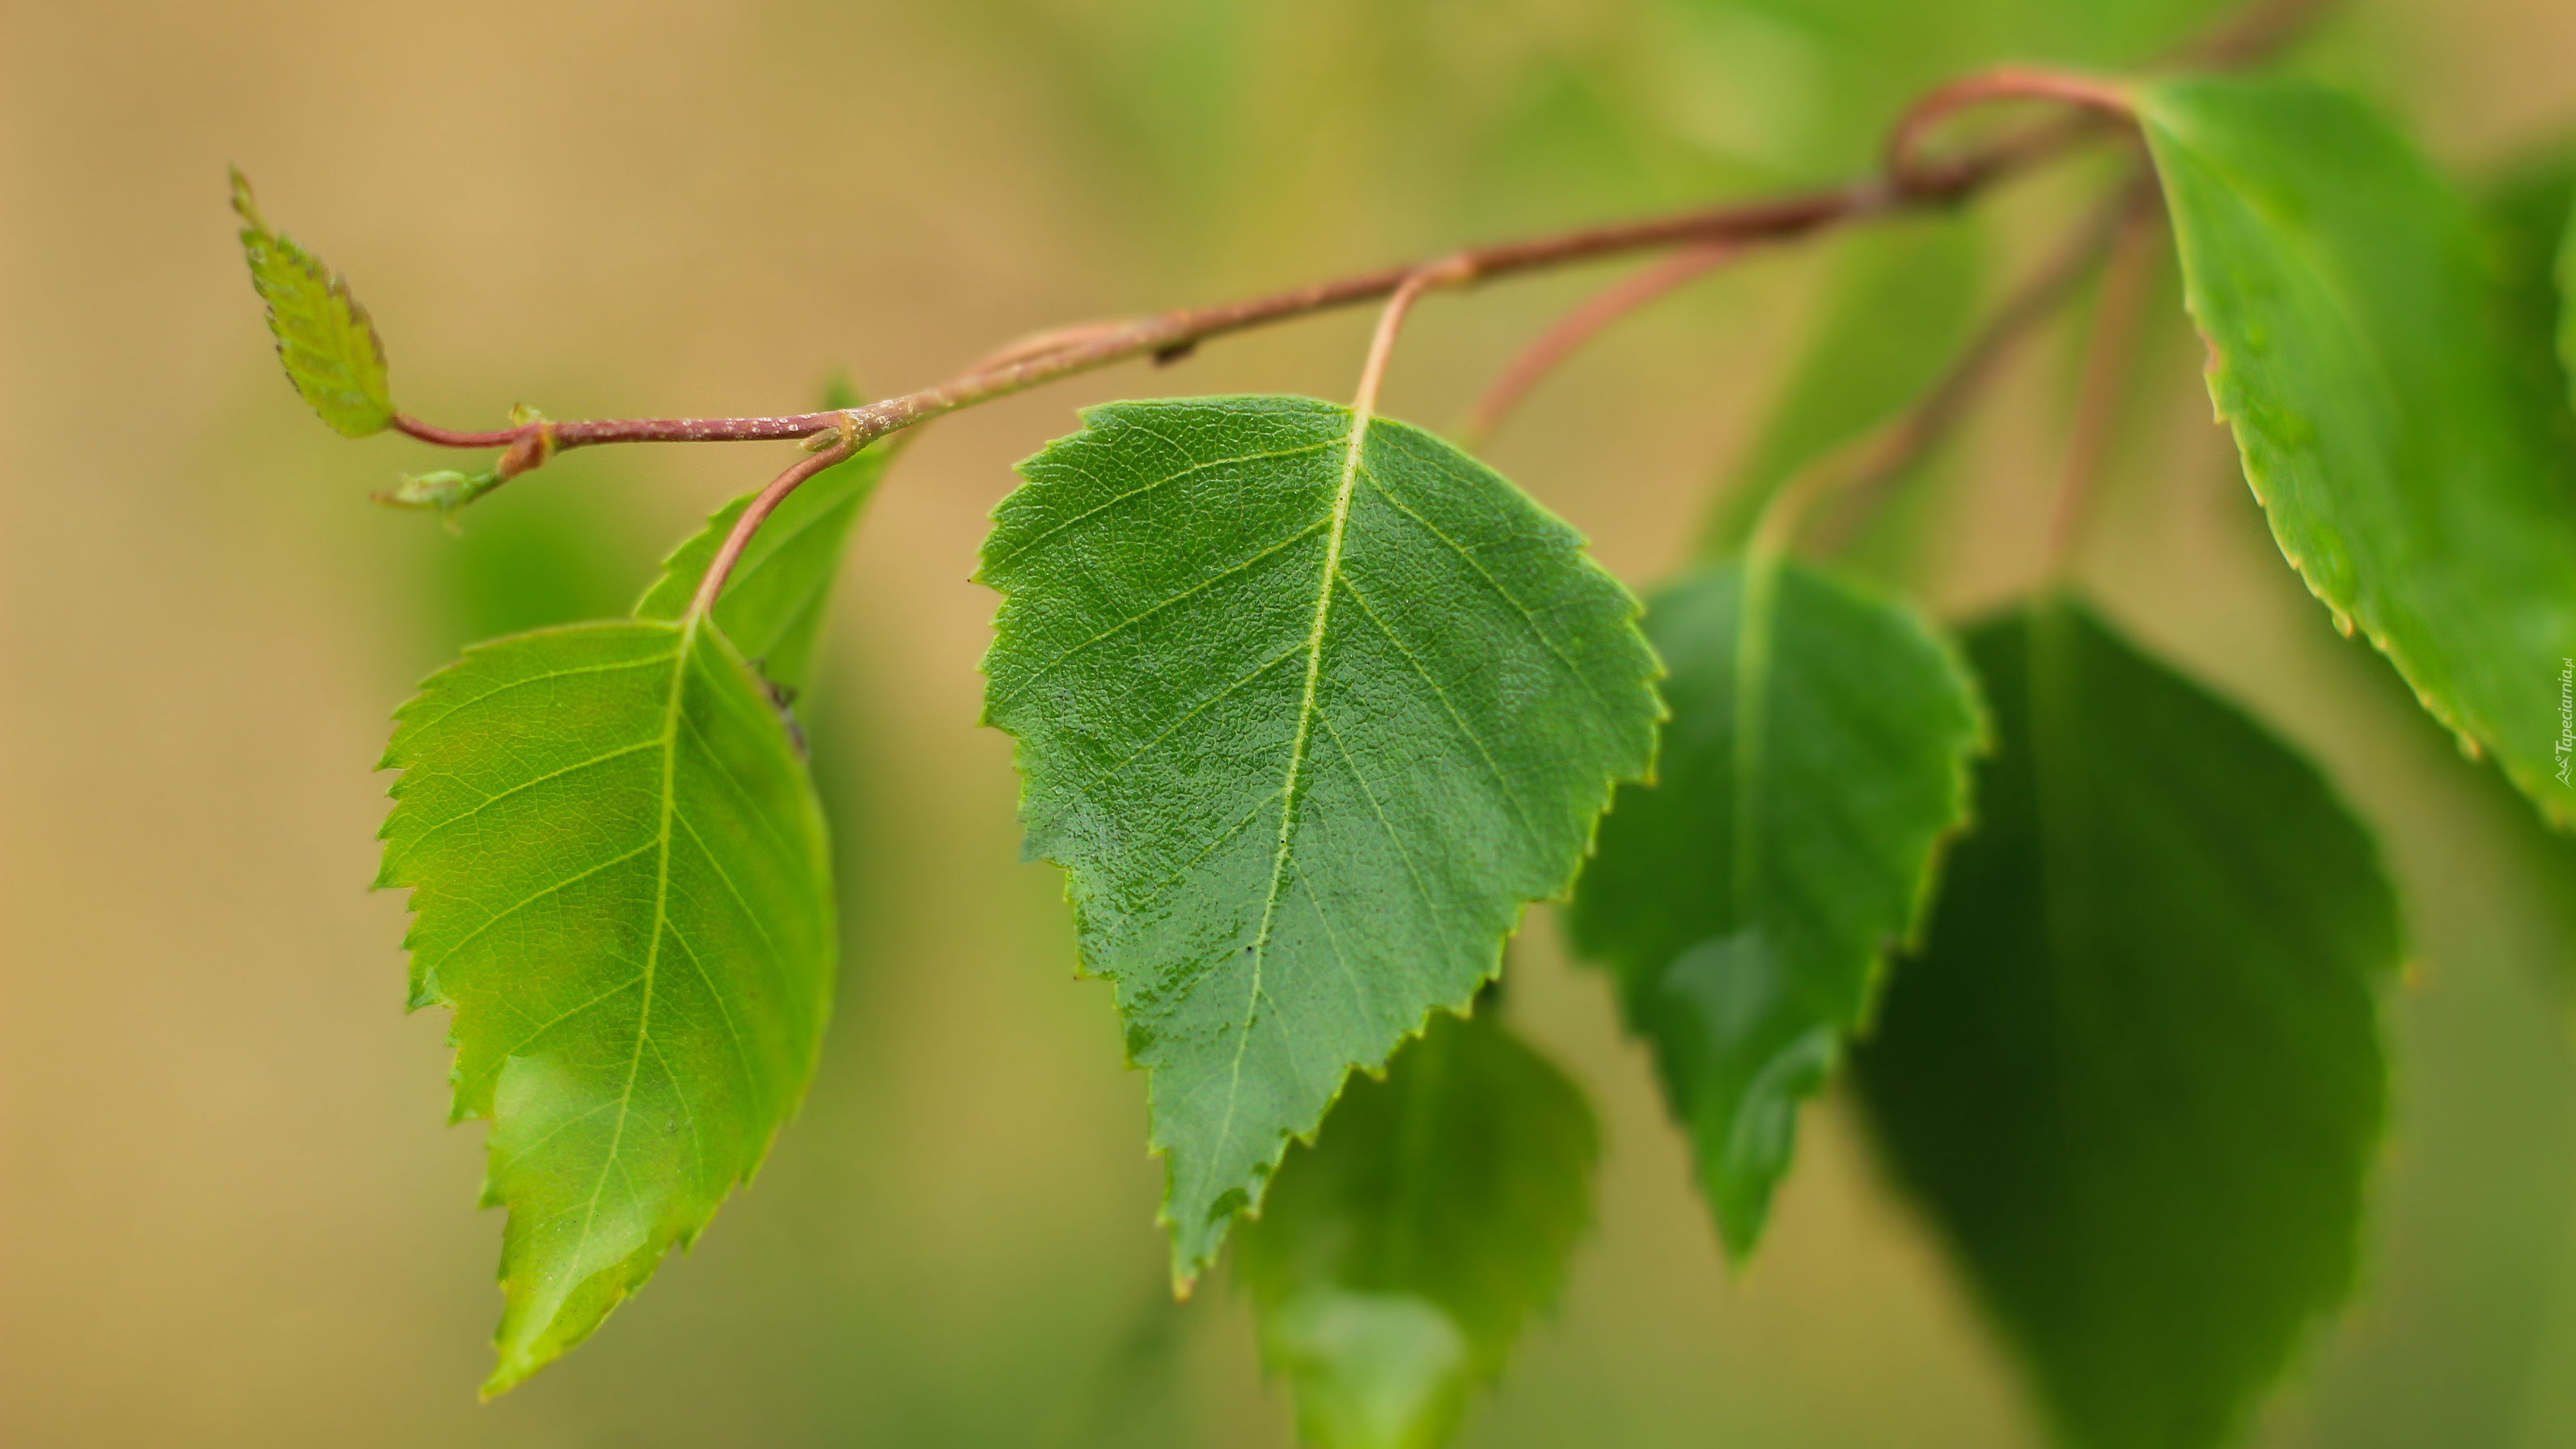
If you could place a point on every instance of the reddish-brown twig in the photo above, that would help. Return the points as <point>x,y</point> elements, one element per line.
<point>1176,331</point>
<point>1911,174</point>
<point>1910,183</point>
<point>768,499</point>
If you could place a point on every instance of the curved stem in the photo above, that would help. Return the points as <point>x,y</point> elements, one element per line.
<point>1171,334</point>
<point>721,566</point>
<point>1449,273</point>
<point>1580,326</point>
<point>1910,174</point>
<point>1063,353</point>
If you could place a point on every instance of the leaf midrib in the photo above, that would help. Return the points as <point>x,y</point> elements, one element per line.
<point>1354,442</point>
<point>689,626</point>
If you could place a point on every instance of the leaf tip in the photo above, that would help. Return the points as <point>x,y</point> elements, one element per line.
<point>245,205</point>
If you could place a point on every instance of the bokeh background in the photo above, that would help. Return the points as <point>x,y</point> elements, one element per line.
<point>229,1210</point>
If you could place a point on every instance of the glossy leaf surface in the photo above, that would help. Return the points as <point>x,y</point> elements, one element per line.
<point>2344,295</point>
<point>1396,1258</point>
<point>1817,754</point>
<point>1307,726</point>
<point>621,885</point>
<point>2134,1075</point>
<point>326,340</point>
<point>773,603</point>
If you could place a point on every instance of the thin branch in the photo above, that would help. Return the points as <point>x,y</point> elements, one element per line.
<point>630,430</point>
<point>1580,326</point>
<point>1088,348</point>
<point>1911,183</point>
<point>2108,356</point>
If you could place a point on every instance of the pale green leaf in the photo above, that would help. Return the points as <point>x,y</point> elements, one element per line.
<point>1307,726</point>
<point>1396,1258</point>
<point>1817,754</point>
<point>2134,1074</point>
<point>621,885</point>
<point>326,340</point>
<point>773,602</point>
<point>1901,306</point>
<point>2343,293</point>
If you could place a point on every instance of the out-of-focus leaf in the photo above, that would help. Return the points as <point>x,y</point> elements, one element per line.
<point>2567,302</point>
<point>2134,1074</point>
<point>1308,711</point>
<point>1817,754</point>
<point>620,884</point>
<point>326,340</point>
<point>773,603</point>
<point>1901,309</point>
<point>2413,482</point>
<point>1396,1258</point>
<point>534,557</point>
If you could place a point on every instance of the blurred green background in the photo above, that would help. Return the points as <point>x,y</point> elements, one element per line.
<point>229,1212</point>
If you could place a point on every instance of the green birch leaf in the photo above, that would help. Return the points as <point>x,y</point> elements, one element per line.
<point>620,884</point>
<point>2344,295</point>
<point>326,340</point>
<point>1901,307</point>
<point>773,603</point>
<point>1817,755</point>
<point>1397,1257</point>
<point>2134,1074</point>
<point>1307,725</point>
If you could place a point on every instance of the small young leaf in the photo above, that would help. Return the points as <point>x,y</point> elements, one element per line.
<point>2343,293</point>
<point>773,602</point>
<point>1396,1259</point>
<point>621,885</point>
<point>2134,1074</point>
<point>324,337</point>
<point>1817,754</point>
<point>1307,718</point>
<point>1899,312</point>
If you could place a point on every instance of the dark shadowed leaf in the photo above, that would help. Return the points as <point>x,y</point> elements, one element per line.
<point>2134,1074</point>
<point>1307,725</point>
<point>1396,1259</point>
<point>324,337</point>
<point>2409,476</point>
<point>1817,754</point>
